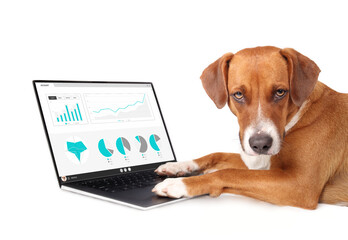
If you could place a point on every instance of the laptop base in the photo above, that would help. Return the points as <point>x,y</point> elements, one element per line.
<point>140,198</point>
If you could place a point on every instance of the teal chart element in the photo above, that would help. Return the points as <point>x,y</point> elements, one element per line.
<point>153,142</point>
<point>118,107</point>
<point>122,144</point>
<point>106,152</point>
<point>76,148</point>
<point>143,144</point>
<point>121,108</point>
<point>66,109</point>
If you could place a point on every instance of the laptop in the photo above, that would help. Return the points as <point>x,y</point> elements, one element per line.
<point>106,139</point>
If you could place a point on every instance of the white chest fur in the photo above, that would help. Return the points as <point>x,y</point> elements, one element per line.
<point>259,162</point>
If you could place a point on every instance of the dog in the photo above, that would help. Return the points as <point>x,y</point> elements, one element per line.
<point>293,133</point>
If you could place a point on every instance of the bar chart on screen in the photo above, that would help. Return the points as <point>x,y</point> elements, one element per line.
<point>66,109</point>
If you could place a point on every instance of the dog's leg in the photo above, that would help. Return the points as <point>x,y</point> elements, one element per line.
<point>218,161</point>
<point>336,191</point>
<point>274,186</point>
<point>207,164</point>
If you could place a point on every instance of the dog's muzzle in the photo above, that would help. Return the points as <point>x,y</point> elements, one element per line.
<point>260,143</point>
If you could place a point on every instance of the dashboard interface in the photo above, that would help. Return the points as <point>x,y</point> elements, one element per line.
<point>102,126</point>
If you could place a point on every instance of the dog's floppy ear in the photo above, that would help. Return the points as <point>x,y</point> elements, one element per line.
<point>214,80</point>
<point>303,74</point>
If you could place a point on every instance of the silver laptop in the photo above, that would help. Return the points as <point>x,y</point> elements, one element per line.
<point>106,139</point>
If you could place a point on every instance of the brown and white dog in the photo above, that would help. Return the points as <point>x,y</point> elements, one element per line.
<point>293,133</point>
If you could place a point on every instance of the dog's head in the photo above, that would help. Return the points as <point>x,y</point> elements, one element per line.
<point>264,87</point>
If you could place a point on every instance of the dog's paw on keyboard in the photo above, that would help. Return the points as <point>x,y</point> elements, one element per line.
<point>171,187</point>
<point>177,169</point>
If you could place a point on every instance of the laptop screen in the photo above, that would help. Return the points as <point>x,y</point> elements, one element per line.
<point>102,127</point>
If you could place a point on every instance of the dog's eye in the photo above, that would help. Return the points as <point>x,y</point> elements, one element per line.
<point>280,93</point>
<point>238,95</point>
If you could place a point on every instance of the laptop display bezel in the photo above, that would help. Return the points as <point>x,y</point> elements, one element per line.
<point>104,173</point>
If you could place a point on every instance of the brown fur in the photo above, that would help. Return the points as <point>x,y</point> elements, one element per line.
<point>312,164</point>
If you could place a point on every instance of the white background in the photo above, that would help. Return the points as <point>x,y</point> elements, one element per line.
<point>168,43</point>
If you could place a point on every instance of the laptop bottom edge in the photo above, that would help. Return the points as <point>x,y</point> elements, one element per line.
<point>69,189</point>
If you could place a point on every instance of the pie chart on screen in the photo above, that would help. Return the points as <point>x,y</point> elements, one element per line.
<point>154,140</point>
<point>105,148</point>
<point>122,144</point>
<point>143,144</point>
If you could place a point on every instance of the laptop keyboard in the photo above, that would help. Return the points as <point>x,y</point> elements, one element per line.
<point>124,182</point>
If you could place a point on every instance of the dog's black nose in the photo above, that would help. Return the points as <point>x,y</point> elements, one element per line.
<point>260,143</point>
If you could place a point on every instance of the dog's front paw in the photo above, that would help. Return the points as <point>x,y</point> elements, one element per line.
<point>171,187</point>
<point>177,169</point>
